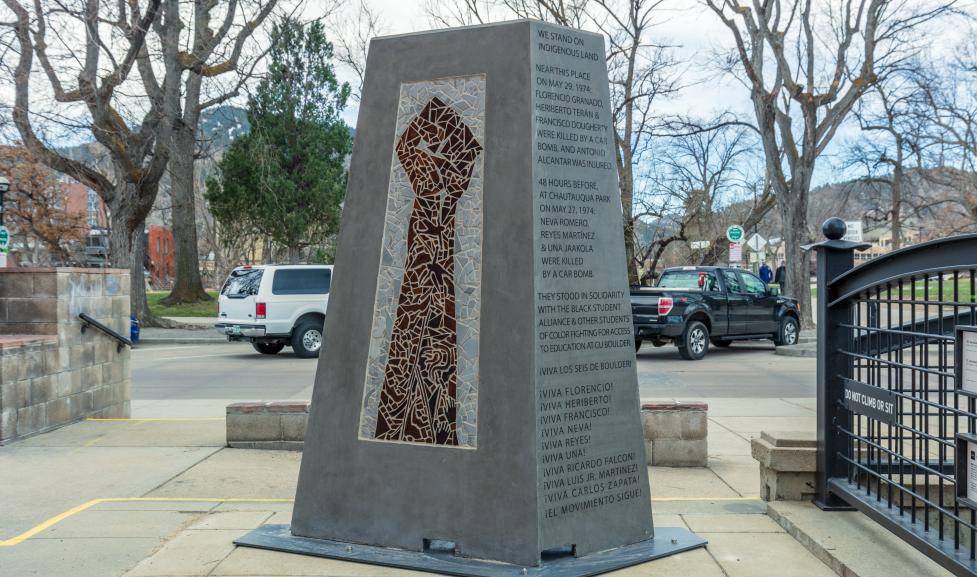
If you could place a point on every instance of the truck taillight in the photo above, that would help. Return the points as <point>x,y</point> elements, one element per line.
<point>665,305</point>
<point>260,310</point>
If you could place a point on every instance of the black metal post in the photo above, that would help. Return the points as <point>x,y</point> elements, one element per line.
<point>835,257</point>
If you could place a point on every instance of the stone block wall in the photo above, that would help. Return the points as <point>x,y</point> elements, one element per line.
<point>51,373</point>
<point>278,425</point>
<point>788,464</point>
<point>675,433</point>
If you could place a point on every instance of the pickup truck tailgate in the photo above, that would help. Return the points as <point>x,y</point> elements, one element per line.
<point>644,308</point>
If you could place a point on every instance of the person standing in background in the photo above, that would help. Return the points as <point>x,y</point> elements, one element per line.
<point>766,275</point>
<point>780,277</point>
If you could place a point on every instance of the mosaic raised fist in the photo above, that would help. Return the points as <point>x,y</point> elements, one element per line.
<point>417,402</point>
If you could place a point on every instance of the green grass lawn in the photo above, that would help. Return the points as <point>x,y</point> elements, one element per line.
<point>207,309</point>
<point>963,290</point>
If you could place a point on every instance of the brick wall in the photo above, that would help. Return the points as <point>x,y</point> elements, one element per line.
<point>51,373</point>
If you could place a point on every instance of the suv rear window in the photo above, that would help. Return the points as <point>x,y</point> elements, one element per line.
<point>688,279</point>
<point>242,283</point>
<point>313,281</point>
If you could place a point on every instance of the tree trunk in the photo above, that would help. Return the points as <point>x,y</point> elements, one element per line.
<point>294,254</point>
<point>188,287</point>
<point>127,250</point>
<point>897,177</point>
<point>793,212</point>
<point>629,249</point>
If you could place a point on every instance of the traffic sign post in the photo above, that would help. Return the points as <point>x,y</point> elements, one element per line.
<point>4,238</point>
<point>756,242</point>
<point>735,233</point>
<point>735,252</point>
<point>853,231</point>
<point>4,233</point>
<point>4,244</point>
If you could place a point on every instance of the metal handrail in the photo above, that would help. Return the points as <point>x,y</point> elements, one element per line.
<point>89,321</point>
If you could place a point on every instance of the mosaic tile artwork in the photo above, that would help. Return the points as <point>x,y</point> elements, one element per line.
<point>422,371</point>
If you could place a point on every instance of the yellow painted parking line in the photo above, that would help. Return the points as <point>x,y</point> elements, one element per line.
<point>49,523</point>
<point>89,504</point>
<point>162,419</point>
<point>92,442</point>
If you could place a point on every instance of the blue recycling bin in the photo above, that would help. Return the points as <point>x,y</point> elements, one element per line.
<point>133,330</point>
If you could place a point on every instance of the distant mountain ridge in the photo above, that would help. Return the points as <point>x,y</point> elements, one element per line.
<point>218,127</point>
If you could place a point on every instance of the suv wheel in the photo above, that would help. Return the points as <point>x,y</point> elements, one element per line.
<point>307,339</point>
<point>789,331</point>
<point>694,342</point>
<point>268,348</point>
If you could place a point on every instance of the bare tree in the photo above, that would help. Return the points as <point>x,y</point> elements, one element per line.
<point>949,97</point>
<point>214,67</point>
<point>134,132</point>
<point>352,34</point>
<point>38,207</point>
<point>641,73</point>
<point>805,67</point>
<point>697,174</point>
<point>891,145</point>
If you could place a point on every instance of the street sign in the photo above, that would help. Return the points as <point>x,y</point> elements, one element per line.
<point>756,242</point>
<point>4,238</point>
<point>735,233</point>
<point>854,232</point>
<point>699,244</point>
<point>735,252</point>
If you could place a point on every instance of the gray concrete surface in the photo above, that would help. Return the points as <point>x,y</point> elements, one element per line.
<point>746,369</point>
<point>160,497</point>
<point>193,380</point>
<point>188,335</point>
<point>841,539</point>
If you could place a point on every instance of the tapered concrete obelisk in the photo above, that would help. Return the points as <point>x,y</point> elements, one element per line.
<point>477,381</point>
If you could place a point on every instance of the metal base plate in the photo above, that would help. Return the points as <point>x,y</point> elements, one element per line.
<point>667,541</point>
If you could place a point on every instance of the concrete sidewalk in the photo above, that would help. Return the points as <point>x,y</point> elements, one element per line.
<point>190,335</point>
<point>159,497</point>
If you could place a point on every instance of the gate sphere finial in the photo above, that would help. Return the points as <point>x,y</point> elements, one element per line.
<point>834,228</point>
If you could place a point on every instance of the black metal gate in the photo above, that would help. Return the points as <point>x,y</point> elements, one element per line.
<point>889,411</point>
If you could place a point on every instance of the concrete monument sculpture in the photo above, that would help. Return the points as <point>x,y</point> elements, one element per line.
<point>477,386</point>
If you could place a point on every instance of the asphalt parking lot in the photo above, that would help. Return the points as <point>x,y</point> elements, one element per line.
<point>199,380</point>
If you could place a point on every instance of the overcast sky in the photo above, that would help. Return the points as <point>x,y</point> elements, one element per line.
<point>681,23</point>
<point>696,35</point>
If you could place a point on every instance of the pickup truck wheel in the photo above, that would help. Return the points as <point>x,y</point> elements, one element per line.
<point>694,342</point>
<point>789,330</point>
<point>637,344</point>
<point>268,348</point>
<point>307,339</point>
<point>722,343</point>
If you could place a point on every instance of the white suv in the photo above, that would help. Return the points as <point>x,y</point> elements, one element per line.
<point>274,306</point>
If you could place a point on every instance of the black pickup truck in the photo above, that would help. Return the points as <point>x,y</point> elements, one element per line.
<point>693,306</point>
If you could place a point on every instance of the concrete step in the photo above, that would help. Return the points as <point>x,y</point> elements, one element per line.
<point>850,543</point>
<point>807,350</point>
<point>149,336</point>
